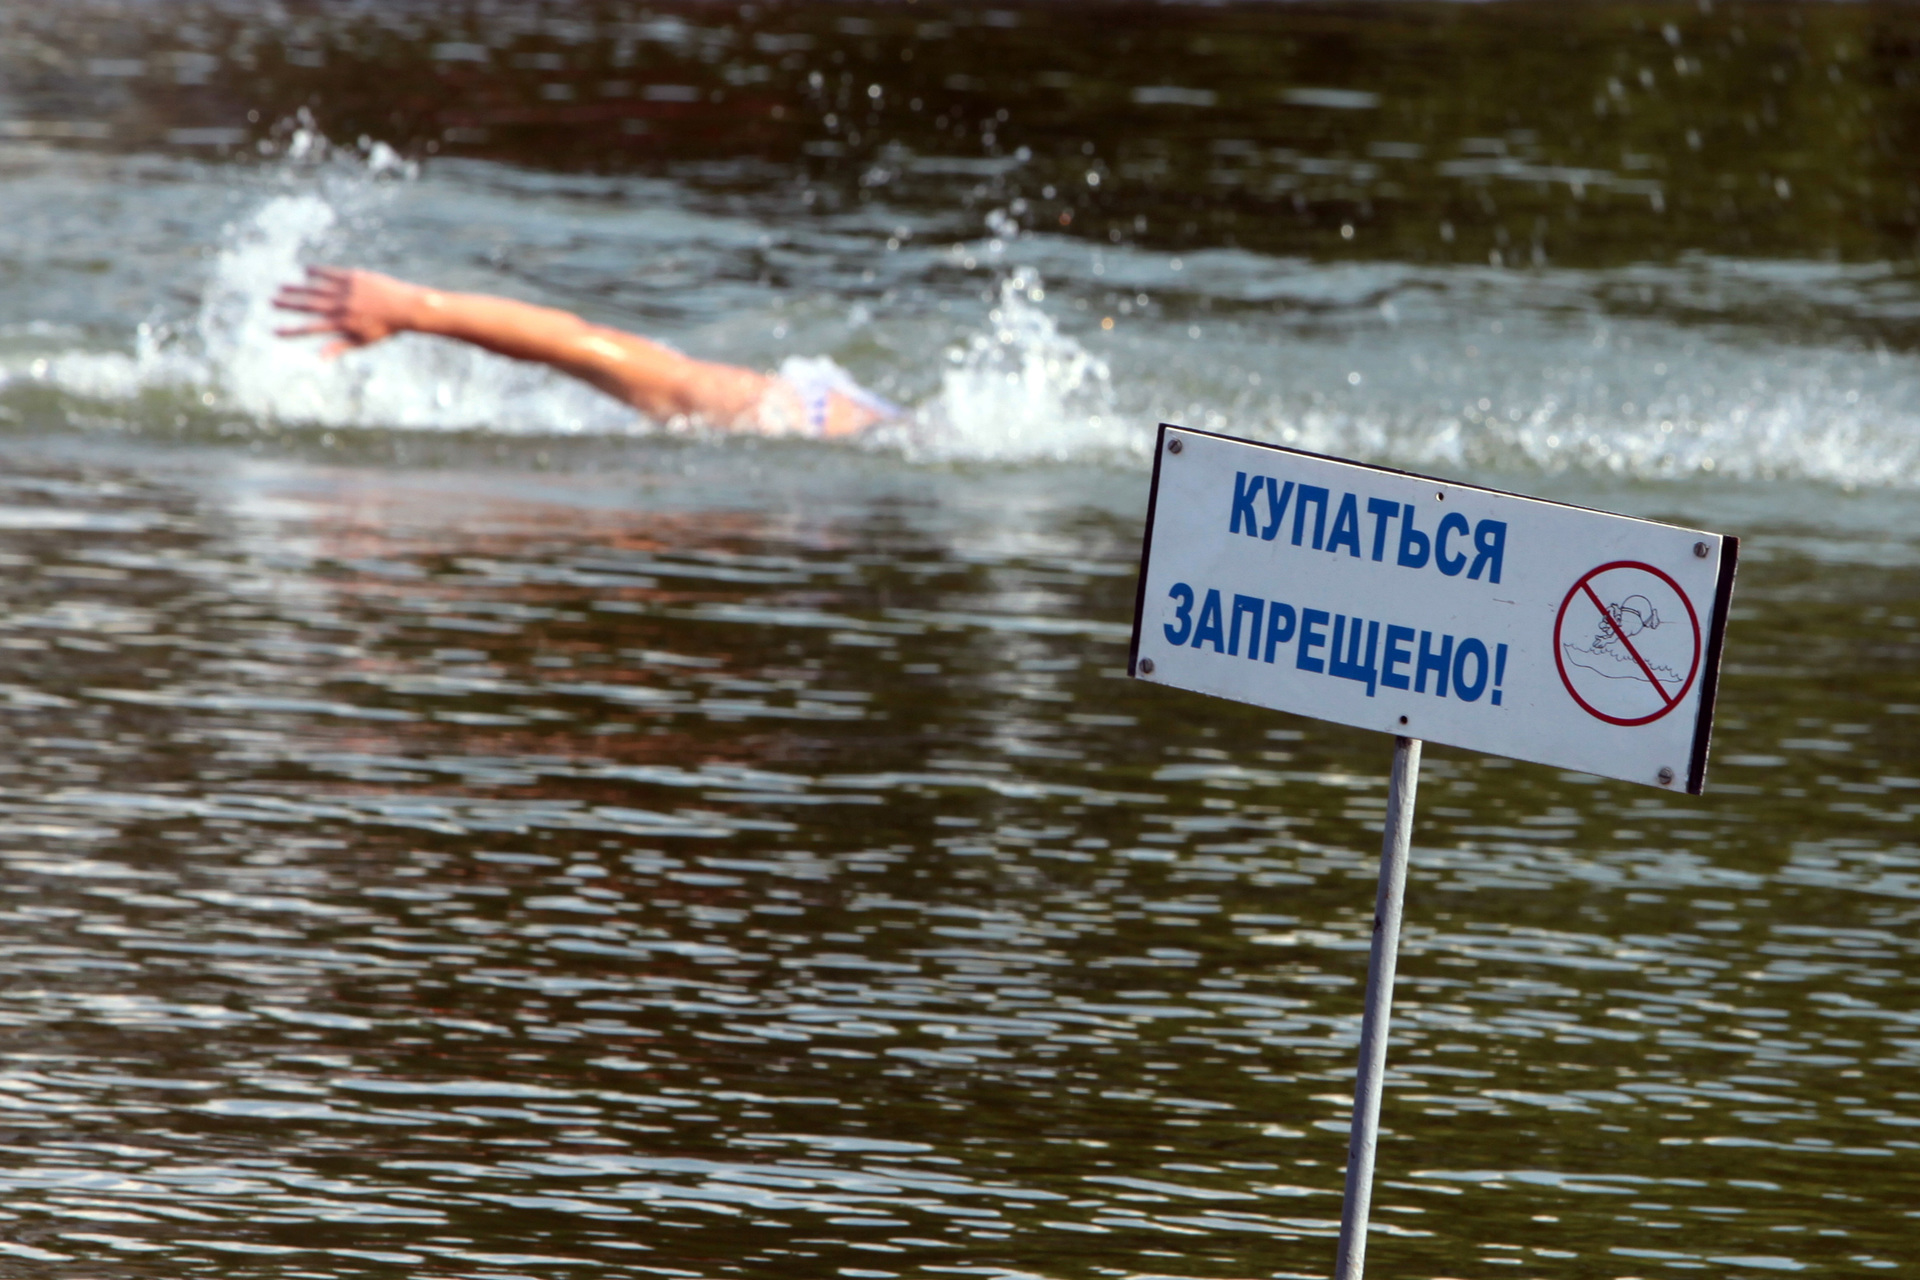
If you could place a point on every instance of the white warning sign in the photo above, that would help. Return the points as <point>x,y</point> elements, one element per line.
<point>1440,611</point>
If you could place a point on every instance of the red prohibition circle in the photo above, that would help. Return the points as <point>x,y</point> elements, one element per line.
<point>1559,658</point>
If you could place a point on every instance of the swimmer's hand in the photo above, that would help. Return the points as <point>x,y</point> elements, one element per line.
<point>359,308</point>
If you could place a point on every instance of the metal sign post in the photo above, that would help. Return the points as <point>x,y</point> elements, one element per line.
<point>1436,612</point>
<point>1395,843</point>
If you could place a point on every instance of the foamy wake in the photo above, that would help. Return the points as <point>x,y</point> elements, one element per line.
<point>1770,411</point>
<point>1018,388</point>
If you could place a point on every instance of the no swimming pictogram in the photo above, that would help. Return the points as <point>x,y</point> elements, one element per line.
<point>1627,642</point>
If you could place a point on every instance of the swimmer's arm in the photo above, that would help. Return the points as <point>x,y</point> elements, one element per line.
<point>363,307</point>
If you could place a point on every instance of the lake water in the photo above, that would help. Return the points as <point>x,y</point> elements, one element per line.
<point>454,827</point>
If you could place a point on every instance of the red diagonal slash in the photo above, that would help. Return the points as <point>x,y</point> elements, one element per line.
<point>1614,626</point>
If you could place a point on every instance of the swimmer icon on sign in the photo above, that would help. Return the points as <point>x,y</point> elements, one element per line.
<point>1627,642</point>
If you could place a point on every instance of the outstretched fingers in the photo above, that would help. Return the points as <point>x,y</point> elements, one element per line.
<point>327,286</point>
<point>309,304</point>
<point>319,289</point>
<point>307,330</point>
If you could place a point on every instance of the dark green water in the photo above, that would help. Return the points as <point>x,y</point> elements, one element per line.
<point>454,829</point>
<point>414,873</point>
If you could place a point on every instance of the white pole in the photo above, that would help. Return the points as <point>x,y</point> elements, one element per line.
<point>1394,845</point>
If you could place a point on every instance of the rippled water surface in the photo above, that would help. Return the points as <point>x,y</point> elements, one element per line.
<point>435,870</point>
<point>453,827</point>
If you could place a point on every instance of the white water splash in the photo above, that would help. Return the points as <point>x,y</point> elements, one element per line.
<point>1023,391</point>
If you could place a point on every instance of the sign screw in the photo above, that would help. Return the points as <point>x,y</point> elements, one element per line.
<point>1665,775</point>
<point>1700,549</point>
<point>1146,668</point>
<point>1174,445</point>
